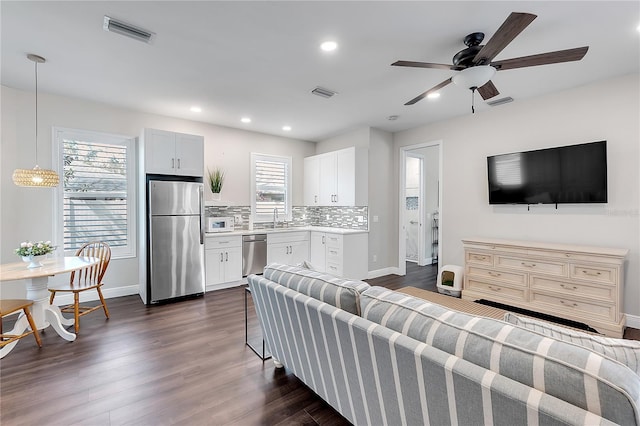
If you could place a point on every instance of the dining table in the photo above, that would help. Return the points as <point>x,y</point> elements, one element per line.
<point>36,280</point>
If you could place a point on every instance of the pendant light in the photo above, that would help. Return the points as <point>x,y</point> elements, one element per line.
<point>36,177</point>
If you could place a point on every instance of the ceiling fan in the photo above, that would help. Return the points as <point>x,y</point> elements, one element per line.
<point>475,64</point>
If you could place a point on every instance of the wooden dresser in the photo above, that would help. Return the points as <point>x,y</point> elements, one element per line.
<point>579,283</point>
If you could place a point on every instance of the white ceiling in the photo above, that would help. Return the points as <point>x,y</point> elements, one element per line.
<point>262,59</point>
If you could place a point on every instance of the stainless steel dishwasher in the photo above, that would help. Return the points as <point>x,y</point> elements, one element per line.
<point>254,254</point>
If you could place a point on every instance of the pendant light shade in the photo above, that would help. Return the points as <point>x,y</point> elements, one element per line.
<point>36,177</point>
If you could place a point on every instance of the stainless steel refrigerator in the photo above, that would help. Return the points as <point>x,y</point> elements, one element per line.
<point>176,240</point>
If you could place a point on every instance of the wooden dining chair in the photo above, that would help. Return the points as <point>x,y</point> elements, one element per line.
<point>89,278</point>
<point>10,306</point>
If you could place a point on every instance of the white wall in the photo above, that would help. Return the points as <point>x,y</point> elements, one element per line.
<point>608,110</point>
<point>26,213</point>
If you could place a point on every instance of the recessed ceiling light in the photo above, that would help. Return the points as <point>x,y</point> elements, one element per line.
<point>286,128</point>
<point>329,46</point>
<point>434,95</point>
<point>245,120</point>
<point>195,109</point>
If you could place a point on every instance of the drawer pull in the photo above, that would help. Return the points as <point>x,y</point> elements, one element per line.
<point>528,265</point>
<point>494,274</point>
<point>568,287</point>
<point>571,305</point>
<point>567,254</point>
<point>591,274</point>
<point>494,288</point>
<point>475,256</point>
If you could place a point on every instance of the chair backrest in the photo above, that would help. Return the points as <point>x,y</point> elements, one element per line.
<point>93,274</point>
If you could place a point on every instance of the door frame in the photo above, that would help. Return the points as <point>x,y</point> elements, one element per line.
<point>404,153</point>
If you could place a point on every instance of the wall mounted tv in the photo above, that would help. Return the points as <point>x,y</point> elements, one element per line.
<point>567,174</point>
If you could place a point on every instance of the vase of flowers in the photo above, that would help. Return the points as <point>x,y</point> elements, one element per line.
<point>216,179</point>
<point>33,252</point>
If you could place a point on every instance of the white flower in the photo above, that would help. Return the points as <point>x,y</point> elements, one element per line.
<point>29,244</point>
<point>48,243</point>
<point>23,244</point>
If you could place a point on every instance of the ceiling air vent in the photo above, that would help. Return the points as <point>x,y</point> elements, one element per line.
<point>122,28</point>
<point>325,93</point>
<point>500,101</point>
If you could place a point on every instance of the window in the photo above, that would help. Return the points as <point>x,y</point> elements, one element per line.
<point>270,187</point>
<point>97,199</point>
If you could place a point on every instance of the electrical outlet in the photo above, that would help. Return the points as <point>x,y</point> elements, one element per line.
<point>360,219</point>
<point>375,257</point>
<point>328,217</point>
<point>375,218</point>
<point>237,218</point>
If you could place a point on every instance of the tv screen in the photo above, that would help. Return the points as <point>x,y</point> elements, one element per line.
<point>567,174</point>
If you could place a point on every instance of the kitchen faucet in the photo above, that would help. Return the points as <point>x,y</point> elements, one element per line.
<point>275,217</point>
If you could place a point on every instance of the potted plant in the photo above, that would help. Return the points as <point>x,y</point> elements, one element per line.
<point>30,252</point>
<point>216,179</point>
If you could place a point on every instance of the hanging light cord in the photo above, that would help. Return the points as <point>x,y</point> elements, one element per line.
<point>36,62</point>
<point>473,98</point>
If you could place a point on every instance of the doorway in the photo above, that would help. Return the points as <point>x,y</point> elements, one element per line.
<point>419,205</point>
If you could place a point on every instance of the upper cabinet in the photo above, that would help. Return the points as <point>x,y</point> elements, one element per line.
<point>337,178</point>
<point>170,153</point>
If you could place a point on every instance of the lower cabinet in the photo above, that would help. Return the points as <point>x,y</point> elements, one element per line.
<point>342,255</point>
<point>288,248</point>
<point>223,260</point>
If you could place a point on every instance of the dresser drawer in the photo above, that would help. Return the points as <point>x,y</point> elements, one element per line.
<point>334,254</point>
<point>333,240</point>
<point>496,290</point>
<point>570,289</point>
<point>569,306</point>
<point>599,274</point>
<point>479,258</point>
<point>501,276</point>
<point>334,268</point>
<point>532,265</point>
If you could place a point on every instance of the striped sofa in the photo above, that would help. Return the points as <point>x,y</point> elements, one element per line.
<point>385,358</point>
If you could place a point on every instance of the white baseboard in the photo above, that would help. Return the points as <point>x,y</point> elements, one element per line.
<point>392,270</point>
<point>88,296</point>
<point>633,321</point>
<point>226,285</point>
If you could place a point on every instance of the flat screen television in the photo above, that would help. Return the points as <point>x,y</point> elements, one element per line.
<point>567,174</point>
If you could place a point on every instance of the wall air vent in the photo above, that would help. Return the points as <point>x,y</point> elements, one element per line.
<point>325,93</point>
<point>122,28</point>
<point>500,101</point>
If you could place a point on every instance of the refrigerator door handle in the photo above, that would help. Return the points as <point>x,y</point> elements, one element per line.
<point>201,201</point>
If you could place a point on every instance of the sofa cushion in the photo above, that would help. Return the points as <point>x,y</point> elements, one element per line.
<point>338,292</point>
<point>566,371</point>
<point>625,351</point>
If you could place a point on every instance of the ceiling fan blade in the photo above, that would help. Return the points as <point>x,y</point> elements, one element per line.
<point>423,65</point>
<point>556,57</point>
<point>488,90</point>
<point>510,28</point>
<point>433,89</point>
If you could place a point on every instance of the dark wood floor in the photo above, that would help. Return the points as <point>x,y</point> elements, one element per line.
<point>181,363</point>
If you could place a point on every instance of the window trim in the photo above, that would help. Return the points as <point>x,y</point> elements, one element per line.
<point>130,250</point>
<point>278,158</point>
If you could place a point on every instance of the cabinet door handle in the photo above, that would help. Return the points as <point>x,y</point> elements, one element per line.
<point>173,163</point>
<point>571,305</point>
<point>226,256</point>
<point>178,163</point>
<point>528,265</point>
<point>315,199</point>
<point>221,257</point>
<point>591,274</point>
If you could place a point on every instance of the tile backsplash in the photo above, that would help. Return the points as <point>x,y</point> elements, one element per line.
<point>334,217</point>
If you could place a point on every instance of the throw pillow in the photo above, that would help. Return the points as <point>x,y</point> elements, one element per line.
<point>626,352</point>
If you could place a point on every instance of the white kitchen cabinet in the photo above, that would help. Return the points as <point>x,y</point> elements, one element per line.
<point>342,255</point>
<point>172,153</point>
<point>288,248</point>
<point>337,178</point>
<point>312,181</point>
<point>223,260</point>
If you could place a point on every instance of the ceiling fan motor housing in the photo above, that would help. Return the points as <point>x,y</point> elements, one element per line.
<point>464,58</point>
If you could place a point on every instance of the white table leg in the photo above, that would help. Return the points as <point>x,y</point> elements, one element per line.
<point>19,327</point>
<point>45,314</point>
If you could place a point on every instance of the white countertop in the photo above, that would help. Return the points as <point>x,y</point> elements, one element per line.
<point>291,229</point>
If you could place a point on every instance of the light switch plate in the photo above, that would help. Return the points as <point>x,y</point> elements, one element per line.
<point>237,218</point>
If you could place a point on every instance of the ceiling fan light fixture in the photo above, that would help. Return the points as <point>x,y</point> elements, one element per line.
<point>433,95</point>
<point>36,177</point>
<point>474,77</point>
